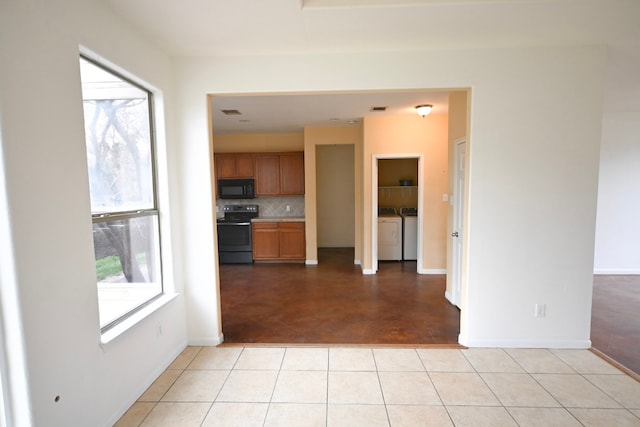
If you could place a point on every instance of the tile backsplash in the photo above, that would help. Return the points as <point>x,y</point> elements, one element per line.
<point>269,206</point>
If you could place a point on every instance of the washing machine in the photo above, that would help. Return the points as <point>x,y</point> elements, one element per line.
<point>389,235</point>
<point>409,233</point>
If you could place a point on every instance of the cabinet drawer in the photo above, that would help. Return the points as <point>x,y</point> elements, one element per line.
<point>264,225</point>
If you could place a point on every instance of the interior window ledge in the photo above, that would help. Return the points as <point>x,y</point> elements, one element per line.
<point>135,318</point>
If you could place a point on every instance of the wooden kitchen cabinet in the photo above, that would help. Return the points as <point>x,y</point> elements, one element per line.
<point>292,243</point>
<point>234,165</point>
<point>267,175</point>
<point>280,174</point>
<point>266,241</point>
<point>283,241</point>
<point>292,174</point>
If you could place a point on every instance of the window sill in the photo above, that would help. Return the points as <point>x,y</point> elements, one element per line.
<point>135,318</point>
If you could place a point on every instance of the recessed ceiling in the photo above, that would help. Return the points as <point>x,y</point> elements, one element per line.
<point>291,113</point>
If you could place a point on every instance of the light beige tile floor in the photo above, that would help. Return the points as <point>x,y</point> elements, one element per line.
<point>298,386</point>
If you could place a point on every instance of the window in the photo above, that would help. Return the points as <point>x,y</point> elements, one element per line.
<point>120,157</point>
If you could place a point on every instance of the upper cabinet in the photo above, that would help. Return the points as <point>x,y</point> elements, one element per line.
<point>267,175</point>
<point>279,174</point>
<point>235,165</point>
<point>292,174</point>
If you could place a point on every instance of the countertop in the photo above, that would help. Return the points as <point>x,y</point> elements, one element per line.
<point>278,219</point>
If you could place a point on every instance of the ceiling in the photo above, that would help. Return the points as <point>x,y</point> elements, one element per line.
<point>268,27</point>
<point>291,113</point>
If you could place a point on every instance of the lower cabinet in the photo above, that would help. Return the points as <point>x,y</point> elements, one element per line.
<point>278,241</point>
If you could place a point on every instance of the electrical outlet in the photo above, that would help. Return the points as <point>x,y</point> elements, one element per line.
<point>445,197</point>
<point>158,330</point>
<point>540,310</point>
<point>288,208</point>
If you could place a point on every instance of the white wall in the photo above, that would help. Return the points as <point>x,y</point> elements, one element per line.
<point>49,300</point>
<point>617,226</point>
<point>534,141</point>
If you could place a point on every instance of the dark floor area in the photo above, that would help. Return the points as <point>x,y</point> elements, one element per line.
<point>615,319</point>
<point>333,303</point>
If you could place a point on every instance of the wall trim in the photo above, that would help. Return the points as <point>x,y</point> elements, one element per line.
<point>616,271</point>
<point>433,271</point>
<point>206,342</point>
<point>368,271</point>
<point>498,343</point>
<point>449,297</point>
<point>311,262</point>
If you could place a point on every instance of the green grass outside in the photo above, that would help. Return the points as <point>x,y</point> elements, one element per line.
<point>107,267</point>
<point>110,266</point>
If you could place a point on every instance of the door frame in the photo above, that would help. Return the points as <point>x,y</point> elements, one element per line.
<point>374,205</point>
<point>458,201</point>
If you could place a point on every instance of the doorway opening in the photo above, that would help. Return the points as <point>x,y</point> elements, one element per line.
<point>335,196</point>
<point>397,219</point>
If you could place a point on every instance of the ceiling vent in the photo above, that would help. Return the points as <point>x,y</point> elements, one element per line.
<point>231,112</point>
<point>378,109</point>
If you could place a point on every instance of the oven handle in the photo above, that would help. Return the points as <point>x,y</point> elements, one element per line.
<point>234,223</point>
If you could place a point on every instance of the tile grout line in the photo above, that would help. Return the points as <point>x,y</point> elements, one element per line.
<point>573,373</point>
<point>221,386</point>
<point>273,391</point>
<point>604,391</point>
<point>446,408</point>
<point>384,401</point>
<point>326,408</point>
<point>155,404</point>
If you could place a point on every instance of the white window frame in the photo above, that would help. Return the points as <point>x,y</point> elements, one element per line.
<point>153,212</point>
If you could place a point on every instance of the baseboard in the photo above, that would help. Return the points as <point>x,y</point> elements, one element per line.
<point>368,271</point>
<point>311,262</point>
<point>616,364</point>
<point>616,271</point>
<point>449,297</point>
<point>556,344</point>
<point>206,342</point>
<point>356,262</point>
<point>433,271</point>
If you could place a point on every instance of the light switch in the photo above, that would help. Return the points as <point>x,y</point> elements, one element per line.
<point>445,197</point>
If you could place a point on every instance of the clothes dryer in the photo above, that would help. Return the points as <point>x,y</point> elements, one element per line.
<point>409,233</point>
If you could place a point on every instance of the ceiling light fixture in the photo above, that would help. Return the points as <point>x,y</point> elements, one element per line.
<point>424,109</point>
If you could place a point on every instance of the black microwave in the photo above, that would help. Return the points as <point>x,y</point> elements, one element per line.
<point>236,188</point>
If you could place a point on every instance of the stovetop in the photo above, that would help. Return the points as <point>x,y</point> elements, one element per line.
<point>239,213</point>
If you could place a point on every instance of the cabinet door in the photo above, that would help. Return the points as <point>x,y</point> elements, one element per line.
<point>225,165</point>
<point>292,241</point>
<point>292,174</point>
<point>267,175</point>
<point>244,165</point>
<point>266,244</point>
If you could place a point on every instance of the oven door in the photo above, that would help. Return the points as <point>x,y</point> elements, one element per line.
<point>234,237</point>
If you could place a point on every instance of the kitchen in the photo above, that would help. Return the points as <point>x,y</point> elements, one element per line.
<point>260,207</point>
<point>327,222</point>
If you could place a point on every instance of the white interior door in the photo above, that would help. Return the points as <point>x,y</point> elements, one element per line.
<point>458,220</point>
